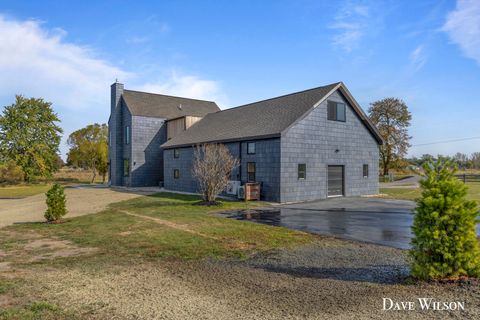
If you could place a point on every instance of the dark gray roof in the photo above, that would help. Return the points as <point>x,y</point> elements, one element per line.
<point>163,106</point>
<point>263,119</point>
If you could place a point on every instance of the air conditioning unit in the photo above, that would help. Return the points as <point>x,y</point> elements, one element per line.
<point>241,192</point>
<point>232,187</point>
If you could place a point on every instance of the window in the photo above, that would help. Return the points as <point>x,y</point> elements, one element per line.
<point>127,135</point>
<point>251,171</point>
<point>126,167</point>
<point>302,171</point>
<point>336,111</point>
<point>365,170</point>
<point>176,173</point>
<point>176,153</point>
<point>251,148</point>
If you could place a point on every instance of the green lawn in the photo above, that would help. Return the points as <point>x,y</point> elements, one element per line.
<point>413,193</point>
<point>117,234</point>
<point>22,191</point>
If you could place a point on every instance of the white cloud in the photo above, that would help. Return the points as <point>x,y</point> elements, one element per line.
<point>418,58</point>
<point>38,62</point>
<point>351,23</point>
<point>186,86</point>
<point>463,27</point>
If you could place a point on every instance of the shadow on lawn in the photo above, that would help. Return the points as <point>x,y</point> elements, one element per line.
<point>382,274</point>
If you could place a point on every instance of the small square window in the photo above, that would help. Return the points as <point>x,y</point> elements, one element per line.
<point>365,170</point>
<point>251,170</point>
<point>251,148</point>
<point>336,111</point>
<point>176,174</point>
<point>176,153</point>
<point>302,171</point>
<point>126,167</point>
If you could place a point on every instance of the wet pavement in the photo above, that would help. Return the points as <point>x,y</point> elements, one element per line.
<point>380,221</point>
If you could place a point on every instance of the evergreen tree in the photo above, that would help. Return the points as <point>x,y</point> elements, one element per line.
<point>445,243</point>
<point>56,203</point>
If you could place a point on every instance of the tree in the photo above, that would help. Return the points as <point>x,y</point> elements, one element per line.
<point>56,203</point>
<point>89,149</point>
<point>212,167</point>
<point>10,173</point>
<point>475,159</point>
<point>461,159</point>
<point>392,118</point>
<point>444,243</point>
<point>30,136</point>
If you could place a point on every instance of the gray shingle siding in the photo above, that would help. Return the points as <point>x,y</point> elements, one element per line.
<point>313,141</point>
<point>266,158</point>
<point>146,155</point>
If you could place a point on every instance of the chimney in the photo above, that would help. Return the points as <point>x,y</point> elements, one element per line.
<point>116,90</point>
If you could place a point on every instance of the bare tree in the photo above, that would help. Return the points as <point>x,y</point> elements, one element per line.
<point>212,166</point>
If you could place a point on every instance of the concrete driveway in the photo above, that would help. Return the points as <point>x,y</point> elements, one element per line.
<point>80,201</point>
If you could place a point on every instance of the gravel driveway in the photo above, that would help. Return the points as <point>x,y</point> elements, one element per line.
<point>329,279</point>
<point>80,201</point>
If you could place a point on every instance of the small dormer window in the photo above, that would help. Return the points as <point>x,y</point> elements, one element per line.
<point>336,111</point>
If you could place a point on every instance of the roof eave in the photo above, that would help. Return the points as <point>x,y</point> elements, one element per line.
<point>260,137</point>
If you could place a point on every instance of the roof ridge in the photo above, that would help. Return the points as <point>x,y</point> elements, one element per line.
<point>167,95</point>
<point>282,96</point>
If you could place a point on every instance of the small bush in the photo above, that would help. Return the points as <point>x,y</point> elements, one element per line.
<point>56,203</point>
<point>445,245</point>
<point>10,173</point>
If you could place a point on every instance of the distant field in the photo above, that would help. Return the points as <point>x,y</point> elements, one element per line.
<point>413,193</point>
<point>22,191</point>
<point>65,176</point>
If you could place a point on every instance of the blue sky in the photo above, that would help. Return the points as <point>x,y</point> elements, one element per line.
<point>234,52</point>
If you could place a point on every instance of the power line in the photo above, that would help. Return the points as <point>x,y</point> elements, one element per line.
<point>445,141</point>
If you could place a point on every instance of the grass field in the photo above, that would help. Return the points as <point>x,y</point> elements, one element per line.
<point>413,193</point>
<point>65,176</point>
<point>139,230</point>
<point>23,190</point>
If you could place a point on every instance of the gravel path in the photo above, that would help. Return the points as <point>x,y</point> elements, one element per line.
<point>80,201</point>
<point>331,279</point>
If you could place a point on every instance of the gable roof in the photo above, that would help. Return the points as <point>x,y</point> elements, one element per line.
<point>263,119</point>
<point>163,106</point>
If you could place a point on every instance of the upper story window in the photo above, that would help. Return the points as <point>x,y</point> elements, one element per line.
<point>127,135</point>
<point>176,153</point>
<point>250,147</point>
<point>336,111</point>
<point>365,170</point>
<point>302,171</point>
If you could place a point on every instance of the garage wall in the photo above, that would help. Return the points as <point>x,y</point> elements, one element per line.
<point>314,141</point>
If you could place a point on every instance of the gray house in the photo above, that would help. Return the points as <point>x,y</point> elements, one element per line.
<point>307,145</point>
<point>139,123</point>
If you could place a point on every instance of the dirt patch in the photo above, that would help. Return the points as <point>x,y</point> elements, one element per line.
<point>79,202</point>
<point>5,266</point>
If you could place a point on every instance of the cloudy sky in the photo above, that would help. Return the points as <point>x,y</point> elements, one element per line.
<point>234,52</point>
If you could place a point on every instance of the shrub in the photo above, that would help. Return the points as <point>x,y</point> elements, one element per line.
<point>444,243</point>
<point>10,173</point>
<point>56,203</point>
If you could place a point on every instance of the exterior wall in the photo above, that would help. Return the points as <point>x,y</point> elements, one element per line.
<point>266,158</point>
<point>175,126</point>
<point>143,152</point>
<point>313,141</point>
<point>146,155</point>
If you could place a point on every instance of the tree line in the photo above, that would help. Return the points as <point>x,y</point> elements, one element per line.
<point>462,160</point>
<point>30,137</point>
